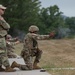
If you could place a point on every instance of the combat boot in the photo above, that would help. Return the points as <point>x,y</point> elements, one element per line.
<point>1,69</point>
<point>15,64</point>
<point>22,67</point>
<point>35,66</point>
<point>9,69</point>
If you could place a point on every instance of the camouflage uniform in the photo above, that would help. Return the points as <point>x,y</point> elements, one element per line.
<point>10,50</point>
<point>10,46</point>
<point>31,49</point>
<point>4,26</point>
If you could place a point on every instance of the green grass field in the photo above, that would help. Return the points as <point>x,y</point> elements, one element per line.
<point>56,54</point>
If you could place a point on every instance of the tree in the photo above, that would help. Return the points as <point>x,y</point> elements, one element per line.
<point>51,17</point>
<point>20,14</point>
<point>70,22</point>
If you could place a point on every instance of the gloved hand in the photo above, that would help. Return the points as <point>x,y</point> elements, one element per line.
<point>16,38</point>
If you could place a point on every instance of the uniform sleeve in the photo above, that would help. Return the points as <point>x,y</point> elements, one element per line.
<point>4,24</point>
<point>12,40</point>
<point>43,37</point>
<point>40,37</point>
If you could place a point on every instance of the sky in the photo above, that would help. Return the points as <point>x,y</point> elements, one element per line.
<point>65,6</point>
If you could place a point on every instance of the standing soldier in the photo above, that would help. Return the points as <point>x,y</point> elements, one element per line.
<point>31,49</point>
<point>4,27</point>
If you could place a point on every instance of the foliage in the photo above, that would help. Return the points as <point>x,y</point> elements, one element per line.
<point>20,14</point>
<point>51,17</point>
<point>71,24</point>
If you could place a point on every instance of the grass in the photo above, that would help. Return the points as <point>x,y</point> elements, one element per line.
<point>56,54</point>
<point>62,72</point>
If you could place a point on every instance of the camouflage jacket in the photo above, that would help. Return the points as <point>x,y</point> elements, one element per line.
<point>4,26</point>
<point>30,40</point>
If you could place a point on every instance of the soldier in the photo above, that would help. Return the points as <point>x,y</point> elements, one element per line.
<point>30,49</point>
<point>4,27</point>
<point>10,42</point>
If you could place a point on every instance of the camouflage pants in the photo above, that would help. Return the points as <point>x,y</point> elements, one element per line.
<point>11,54</point>
<point>28,56</point>
<point>3,53</point>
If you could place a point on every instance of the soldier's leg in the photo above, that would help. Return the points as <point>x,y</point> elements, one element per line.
<point>4,57</point>
<point>20,66</point>
<point>37,58</point>
<point>27,58</point>
<point>38,55</point>
<point>1,69</point>
<point>11,55</point>
<point>28,61</point>
<point>5,62</point>
<point>28,65</point>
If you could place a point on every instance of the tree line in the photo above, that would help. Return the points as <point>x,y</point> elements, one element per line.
<point>20,14</point>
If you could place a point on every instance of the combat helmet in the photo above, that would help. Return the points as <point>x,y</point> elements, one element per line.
<point>8,36</point>
<point>33,28</point>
